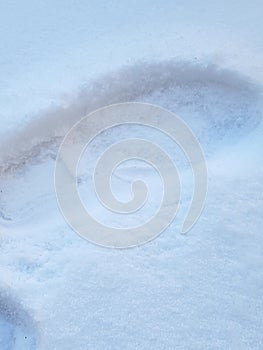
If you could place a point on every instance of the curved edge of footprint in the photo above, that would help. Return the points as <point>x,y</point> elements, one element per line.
<point>18,329</point>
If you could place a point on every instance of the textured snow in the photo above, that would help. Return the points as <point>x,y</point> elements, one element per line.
<point>202,290</point>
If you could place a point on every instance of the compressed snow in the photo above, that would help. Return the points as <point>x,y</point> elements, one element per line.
<point>202,290</point>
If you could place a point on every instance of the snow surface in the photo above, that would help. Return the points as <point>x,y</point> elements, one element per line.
<point>203,61</point>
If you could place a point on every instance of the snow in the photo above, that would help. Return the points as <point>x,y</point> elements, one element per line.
<point>202,290</point>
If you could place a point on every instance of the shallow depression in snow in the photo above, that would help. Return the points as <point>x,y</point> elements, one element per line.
<point>219,105</point>
<point>17,331</point>
<point>153,296</point>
